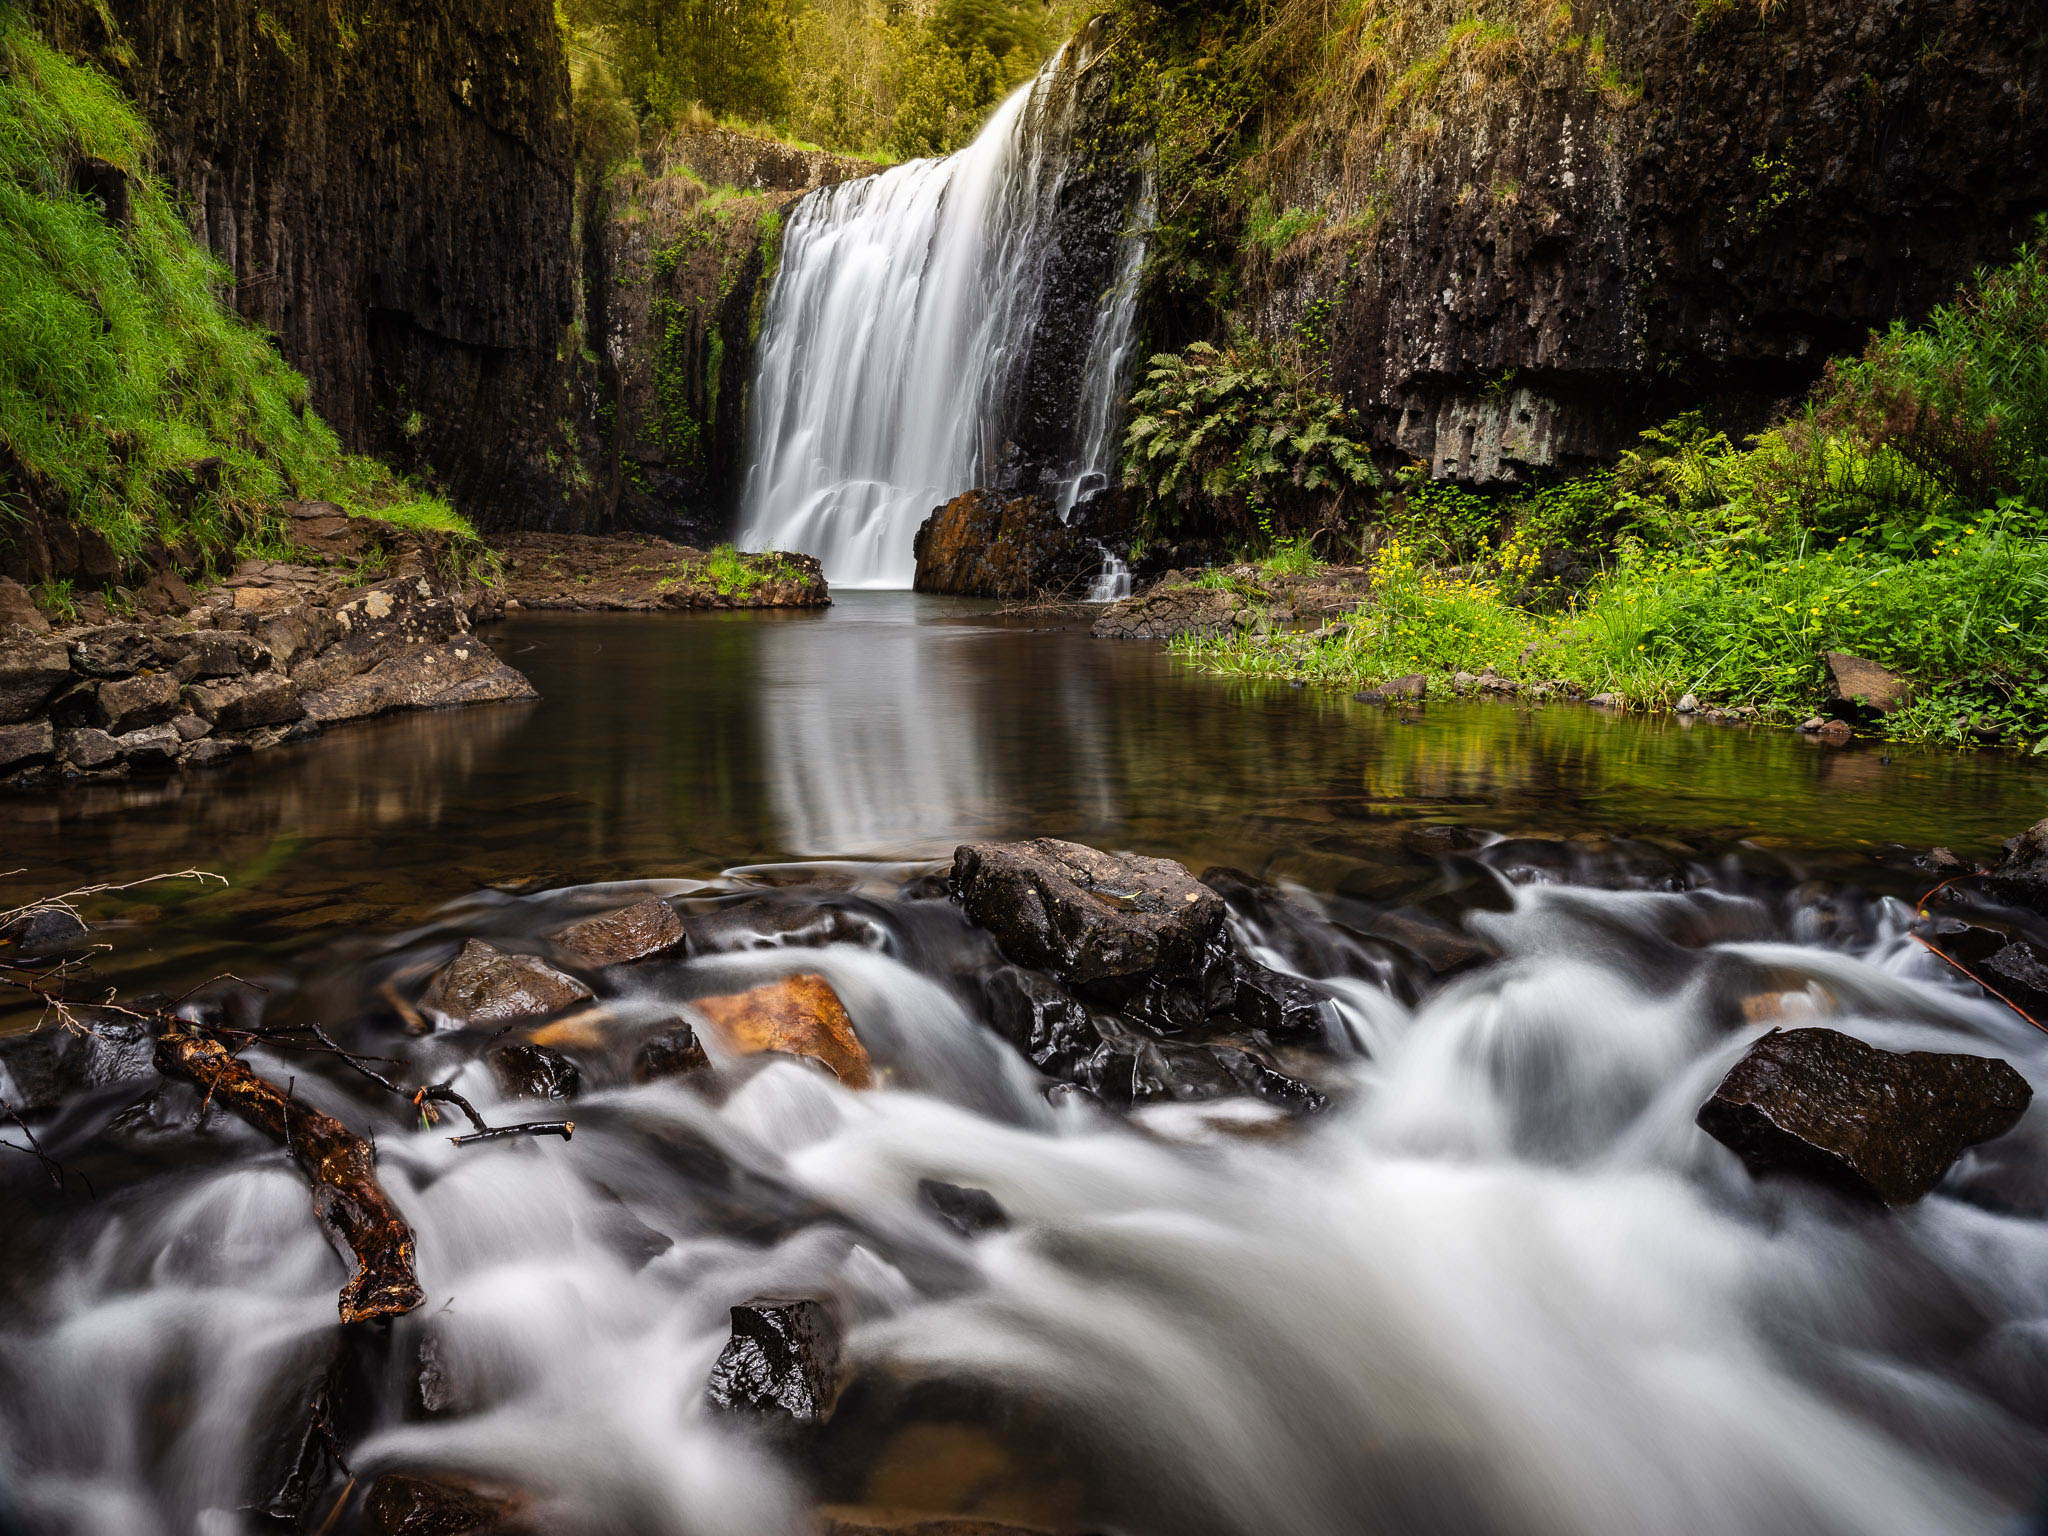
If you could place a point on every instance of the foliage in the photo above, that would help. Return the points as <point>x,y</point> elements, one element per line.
<point>728,56</point>
<point>1902,516</point>
<point>121,368</point>
<point>1223,430</point>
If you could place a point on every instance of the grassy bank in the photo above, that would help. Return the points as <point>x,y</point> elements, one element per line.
<point>133,399</point>
<point>1899,515</point>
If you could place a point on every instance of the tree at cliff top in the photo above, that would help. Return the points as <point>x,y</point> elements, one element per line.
<point>902,77</point>
<point>132,399</point>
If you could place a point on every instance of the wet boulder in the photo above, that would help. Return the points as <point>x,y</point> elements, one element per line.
<point>797,1015</point>
<point>45,931</point>
<point>533,1071</point>
<point>982,544</point>
<point>970,1212</point>
<point>1055,1031</point>
<point>42,1069</point>
<point>644,929</point>
<point>1878,1124</point>
<point>247,704</point>
<point>484,986</point>
<point>463,671</point>
<point>87,748</point>
<point>675,1052</point>
<point>2021,876</point>
<point>1105,924</point>
<point>1171,610</point>
<point>782,1361</point>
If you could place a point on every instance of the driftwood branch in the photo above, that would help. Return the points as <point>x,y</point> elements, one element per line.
<point>347,1198</point>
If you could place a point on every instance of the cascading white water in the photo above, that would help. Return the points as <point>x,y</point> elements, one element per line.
<point>896,330</point>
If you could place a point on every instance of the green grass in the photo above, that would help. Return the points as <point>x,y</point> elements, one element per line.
<point>121,365</point>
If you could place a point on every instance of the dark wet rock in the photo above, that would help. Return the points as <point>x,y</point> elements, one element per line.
<point>208,654</point>
<point>111,650</point>
<point>1862,691</point>
<point>436,1504</point>
<point>765,922</point>
<point>2021,876</point>
<point>1055,1030</point>
<point>436,1388</point>
<point>927,888</point>
<point>42,1069</point>
<point>210,753</point>
<point>129,704</point>
<point>675,1052</point>
<point>49,931</point>
<point>982,544</point>
<point>1443,949</point>
<point>1281,1006</point>
<point>797,1015</point>
<point>87,747</point>
<point>24,746</point>
<point>1171,610</point>
<point>154,746</point>
<point>1880,1124</point>
<point>646,928</point>
<point>192,728</point>
<point>782,1361</point>
<point>535,1072</point>
<point>1256,1075</point>
<point>314,1401</point>
<point>2014,967</point>
<point>970,1212</point>
<point>463,671</point>
<point>31,671</point>
<point>485,986</point>
<point>1105,924</point>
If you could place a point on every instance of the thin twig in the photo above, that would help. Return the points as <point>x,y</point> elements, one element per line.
<point>562,1128</point>
<point>1952,960</point>
<point>34,1148</point>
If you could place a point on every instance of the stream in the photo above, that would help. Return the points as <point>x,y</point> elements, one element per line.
<point>1501,1285</point>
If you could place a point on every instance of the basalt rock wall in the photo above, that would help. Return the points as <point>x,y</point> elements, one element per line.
<point>391,186</point>
<point>1561,243</point>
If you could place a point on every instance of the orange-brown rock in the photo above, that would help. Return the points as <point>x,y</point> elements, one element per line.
<point>981,545</point>
<point>437,1504</point>
<point>800,1015</point>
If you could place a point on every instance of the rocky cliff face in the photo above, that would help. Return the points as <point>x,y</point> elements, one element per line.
<point>678,255</point>
<point>391,186</point>
<point>1556,235</point>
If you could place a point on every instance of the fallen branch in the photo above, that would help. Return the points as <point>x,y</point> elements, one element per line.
<point>1952,960</point>
<point>347,1198</point>
<point>562,1128</point>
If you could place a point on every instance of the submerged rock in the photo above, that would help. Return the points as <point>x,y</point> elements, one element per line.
<point>799,1015</point>
<point>646,928</point>
<point>436,1504</point>
<point>766,922</point>
<point>970,1212</point>
<point>1105,924</point>
<point>782,1361</point>
<point>1881,1124</point>
<point>484,986</point>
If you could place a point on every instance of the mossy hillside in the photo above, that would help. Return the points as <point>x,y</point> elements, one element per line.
<point>132,398</point>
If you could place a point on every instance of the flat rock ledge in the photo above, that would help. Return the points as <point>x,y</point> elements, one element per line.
<point>274,653</point>
<point>639,573</point>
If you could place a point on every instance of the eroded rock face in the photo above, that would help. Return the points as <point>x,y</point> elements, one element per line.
<point>484,986</point>
<point>1171,609</point>
<point>1105,924</point>
<point>797,1015</point>
<point>782,1362</point>
<point>982,544</point>
<point>646,928</point>
<point>1880,1124</point>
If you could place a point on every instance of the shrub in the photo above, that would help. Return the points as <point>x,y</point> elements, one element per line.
<point>1224,432</point>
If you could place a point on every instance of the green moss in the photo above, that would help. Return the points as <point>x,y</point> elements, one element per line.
<point>121,366</point>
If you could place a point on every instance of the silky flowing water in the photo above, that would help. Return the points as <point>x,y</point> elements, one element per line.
<point>1502,1284</point>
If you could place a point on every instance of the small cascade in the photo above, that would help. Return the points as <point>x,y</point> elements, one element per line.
<point>1113,581</point>
<point>945,325</point>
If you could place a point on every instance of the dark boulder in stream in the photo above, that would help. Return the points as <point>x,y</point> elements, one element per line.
<point>982,544</point>
<point>782,1361</point>
<point>484,986</point>
<point>1883,1125</point>
<point>535,1072</point>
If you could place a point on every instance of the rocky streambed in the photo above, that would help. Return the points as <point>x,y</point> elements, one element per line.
<point>1014,1193</point>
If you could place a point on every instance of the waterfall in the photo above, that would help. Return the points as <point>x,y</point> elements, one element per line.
<point>946,325</point>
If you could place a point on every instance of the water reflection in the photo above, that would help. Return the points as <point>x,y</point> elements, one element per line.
<point>897,726</point>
